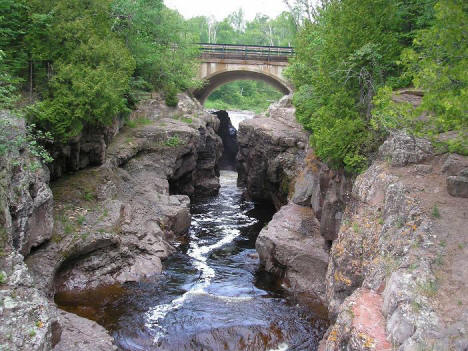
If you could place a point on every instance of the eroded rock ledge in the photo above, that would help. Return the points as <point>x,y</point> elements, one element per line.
<point>383,252</point>
<point>271,152</point>
<point>109,225</point>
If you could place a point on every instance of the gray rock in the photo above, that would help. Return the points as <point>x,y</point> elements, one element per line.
<point>402,149</point>
<point>454,164</point>
<point>269,156</point>
<point>26,201</point>
<point>399,327</point>
<point>80,334</point>
<point>28,320</point>
<point>292,248</point>
<point>457,186</point>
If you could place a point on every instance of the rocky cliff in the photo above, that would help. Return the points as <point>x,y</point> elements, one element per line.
<point>110,224</point>
<point>271,151</point>
<point>394,279</point>
<point>276,165</point>
<point>228,135</point>
<point>383,252</point>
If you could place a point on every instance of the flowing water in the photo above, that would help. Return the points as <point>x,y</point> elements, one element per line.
<point>239,116</point>
<point>211,296</point>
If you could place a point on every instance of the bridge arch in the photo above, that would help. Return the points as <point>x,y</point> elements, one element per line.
<point>221,78</point>
<point>224,63</point>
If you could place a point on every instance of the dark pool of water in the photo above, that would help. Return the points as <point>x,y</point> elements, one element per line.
<point>211,296</point>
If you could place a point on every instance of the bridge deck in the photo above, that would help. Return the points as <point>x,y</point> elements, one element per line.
<point>246,52</point>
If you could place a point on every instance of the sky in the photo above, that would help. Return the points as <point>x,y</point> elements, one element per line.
<point>220,9</point>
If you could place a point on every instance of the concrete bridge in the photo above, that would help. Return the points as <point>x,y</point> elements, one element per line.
<point>224,63</point>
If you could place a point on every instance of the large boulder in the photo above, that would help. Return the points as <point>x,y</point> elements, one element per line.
<point>326,191</point>
<point>402,149</point>
<point>291,248</point>
<point>271,153</point>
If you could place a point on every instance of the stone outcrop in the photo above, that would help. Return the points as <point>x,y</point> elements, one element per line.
<point>79,334</point>
<point>275,164</point>
<point>390,248</point>
<point>87,149</point>
<point>114,223</point>
<point>110,224</point>
<point>402,149</point>
<point>271,152</point>
<point>26,202</point>
<point>228,134</point>
<point>292,248</point>
<point>326,191</point>
<point>28,320</point>
<point>397,234</point>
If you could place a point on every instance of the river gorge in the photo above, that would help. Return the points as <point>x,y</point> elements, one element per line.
<point>145,241</point>
<point>211,295</point>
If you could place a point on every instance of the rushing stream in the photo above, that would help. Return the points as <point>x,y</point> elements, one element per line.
<point>210,296</point>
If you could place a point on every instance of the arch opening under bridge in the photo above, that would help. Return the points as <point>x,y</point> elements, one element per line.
<point>221,64</point>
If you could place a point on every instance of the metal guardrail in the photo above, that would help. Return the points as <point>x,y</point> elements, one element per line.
<point>246,52</point>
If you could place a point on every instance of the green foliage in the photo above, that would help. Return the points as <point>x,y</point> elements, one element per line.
<point>234,29</point>
<point>8,86</point>
<point>243,95</point>
<point>435,211</point>
<point>137,122</point>
<point>437,64</point>
<point>160,42</point>
<point>171,97</point>
<point>86,62</point>
<point>3,277</point>
<point>173,141</point>
<point>13,137</point>
<point>92,70</point>
<point>343,57</point>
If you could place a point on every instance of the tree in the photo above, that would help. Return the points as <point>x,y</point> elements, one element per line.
<point>437,64</point>
<point>349,50</point>
<point>160,41</point>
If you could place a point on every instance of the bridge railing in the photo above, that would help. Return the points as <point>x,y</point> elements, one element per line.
<point>246,52</point>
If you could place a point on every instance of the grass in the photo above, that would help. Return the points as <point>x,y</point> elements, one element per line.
<point>138,122</point>
<point>356,228</point>
<point>435,211</point>
<point>68,228</point>
<point>172,141</point>
<point>428,288</point>
<point>3,277</point>
<point>88,196</point>
<point>81,219</point>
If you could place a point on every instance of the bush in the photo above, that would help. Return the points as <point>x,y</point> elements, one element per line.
<point>437,64</point>
<point>171,97</point>
<point>350,50</point>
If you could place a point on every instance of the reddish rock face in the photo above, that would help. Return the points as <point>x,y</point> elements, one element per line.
<point>360,325</point>
<point>369,320</point>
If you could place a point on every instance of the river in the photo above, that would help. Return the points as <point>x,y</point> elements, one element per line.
<point>211,295</point>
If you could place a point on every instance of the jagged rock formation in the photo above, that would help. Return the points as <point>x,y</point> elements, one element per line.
<point>113,223</point>
<point>28,321</point>
<point>392,246</point>
<point>228,134</point>
<point>271,151</point>
<point>275,163</point>
<point>393,279</point>
<point>292,248</point>
<point>85,150</point>
<point>122,216</point>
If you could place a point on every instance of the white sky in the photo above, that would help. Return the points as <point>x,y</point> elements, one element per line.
<point>221,8</point>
